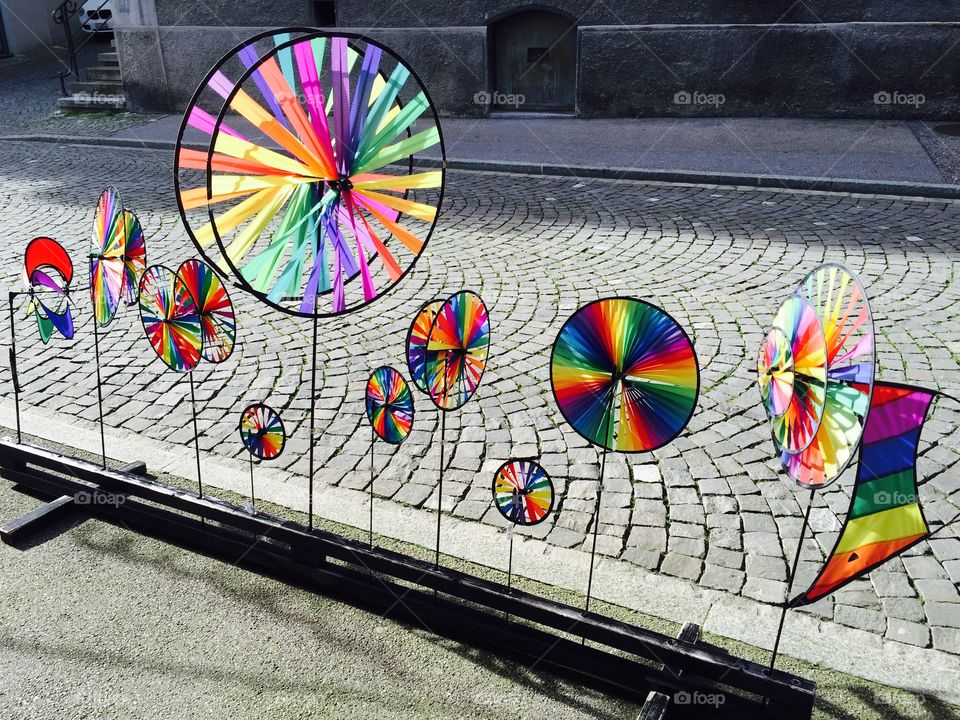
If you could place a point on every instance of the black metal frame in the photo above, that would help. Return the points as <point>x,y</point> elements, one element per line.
<point>632,662</point>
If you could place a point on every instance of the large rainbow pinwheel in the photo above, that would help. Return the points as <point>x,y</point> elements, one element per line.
<point>823,428</point>
<point>523,492</point>
<point>307,187</point>
<point>416,345</point>
<point>457,349</point>
<point>106,256</point>
<point>389,405</point>
<point>170,318</point>
<point>217,320</point>
<point>47,273</point>
<point>792,370</point>
<point>262,431</point>
<point>625,375</point>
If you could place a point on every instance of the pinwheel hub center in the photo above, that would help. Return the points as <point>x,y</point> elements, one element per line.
<point>341,184</point>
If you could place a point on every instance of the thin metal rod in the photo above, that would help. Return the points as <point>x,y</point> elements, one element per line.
<point>793,574</point>
<point>510,562</point>
<point>313,415</point>
<point>253,502</point>
<point>196,433</point>
<point>596,515</point>
<point>373,439</point>
<point>443,432</point>
<point>96,351</point>
<point>13,365</point>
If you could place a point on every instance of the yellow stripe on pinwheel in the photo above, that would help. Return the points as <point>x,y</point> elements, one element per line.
<point>197,197</point>
<point>415,209</point>
<point>234,216</point>
<point>231,184</point>
<point>274,129</point>
<point>242,243</point>
<point>235,147</point>
<point>410,241</point>
<point>430,179</point>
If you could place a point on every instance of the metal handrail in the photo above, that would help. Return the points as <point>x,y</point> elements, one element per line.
<point>61,16</point>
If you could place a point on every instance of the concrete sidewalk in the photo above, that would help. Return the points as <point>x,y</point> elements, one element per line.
<point>849,155</point>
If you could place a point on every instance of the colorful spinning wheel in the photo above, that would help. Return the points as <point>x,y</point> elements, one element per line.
<point>170,318</point>
<point>310,193</point>
<point>47,273</point>
<point>416,346</point>
<point>262,431</point>
<point>217,320</point>
<point>625,375</point>
<point>841,305</point>
<point>457,349</point>
<point>796,376</point>
<point>523,492</point>
<point>389,405</point>
<point>106,256</point>
<point>134,257</point>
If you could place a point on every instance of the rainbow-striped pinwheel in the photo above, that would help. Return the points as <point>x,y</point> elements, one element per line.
<point>306,186</point>
<point>416,345</point>
<point>625,375</point>
<point>134,257</point>
<point>262,431</point>
<point>523,492</point>
<point>457,349</point>
<point>170,318</point>
<point>107,256</point>
<point>47,273</point>
<point>792,372</point>
<point>389,405</point>
<point>840,303</point>
<point>217,320</point>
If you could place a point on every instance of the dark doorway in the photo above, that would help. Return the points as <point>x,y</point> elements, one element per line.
<point>534,62</point>
<point>4,48</point>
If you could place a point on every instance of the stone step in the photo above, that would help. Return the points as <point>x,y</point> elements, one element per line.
<point>90,87</point>
<point>109,58</point>
<point>102,72</point>
<point>92,102</point>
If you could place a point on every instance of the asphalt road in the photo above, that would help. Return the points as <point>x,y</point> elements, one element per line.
<point>97,622</point>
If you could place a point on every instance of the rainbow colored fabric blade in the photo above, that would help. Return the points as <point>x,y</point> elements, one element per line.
<point>523,492</point>
<point>106,256</point>
<point>885,517</point>
<point>792,372</point>
<point>134,257</point>
<point>171,319</point>
<point>456,351</point>
<point>841,304</point>
<point>389,404</point>
<point>416,345</point>
<point>217,319</point>
<point>262,432</point>
<point>323,212</point>
<point>46,274</point>
<point>625,375</point>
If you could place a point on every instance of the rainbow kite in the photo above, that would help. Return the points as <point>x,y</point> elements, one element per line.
<point>310,193</point>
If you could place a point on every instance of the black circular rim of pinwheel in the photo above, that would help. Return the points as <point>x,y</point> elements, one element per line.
<point>553,491</point>
<point>283,430</point>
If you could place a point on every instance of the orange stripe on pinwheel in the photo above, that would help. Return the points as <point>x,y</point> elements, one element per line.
<point>421,211</point>
<point>197,160</point>
<point>409,240</point>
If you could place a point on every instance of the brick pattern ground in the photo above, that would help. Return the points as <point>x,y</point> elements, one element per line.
<point>711,507</point>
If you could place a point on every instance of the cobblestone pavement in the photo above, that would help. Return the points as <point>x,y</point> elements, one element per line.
<point>28,103</point>
<point>710,507</point>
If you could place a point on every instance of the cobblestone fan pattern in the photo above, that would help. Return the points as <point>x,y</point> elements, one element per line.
<point>711,507</point>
